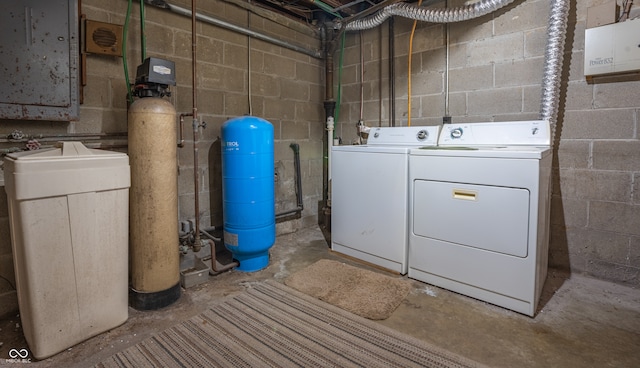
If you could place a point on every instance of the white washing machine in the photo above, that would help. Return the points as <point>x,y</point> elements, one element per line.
<point>369,195</point>
<point>479,212</point>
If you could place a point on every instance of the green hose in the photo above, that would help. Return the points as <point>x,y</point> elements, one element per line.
<point>125,32</point>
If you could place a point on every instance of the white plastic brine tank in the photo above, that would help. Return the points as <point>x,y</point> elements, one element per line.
<point>68,212</point>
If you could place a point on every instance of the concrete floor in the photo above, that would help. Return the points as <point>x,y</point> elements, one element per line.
<point>582,322</point>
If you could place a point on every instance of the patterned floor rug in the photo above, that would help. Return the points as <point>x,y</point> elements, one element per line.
<point>272,325</point>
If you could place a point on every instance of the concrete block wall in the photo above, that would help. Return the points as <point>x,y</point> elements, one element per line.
<point>235,76</point>
<point>284,89</point>
<point>495,73</point>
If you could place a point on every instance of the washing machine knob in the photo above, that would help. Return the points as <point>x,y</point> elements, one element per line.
<point>422,135</point>
<point>456,133</point>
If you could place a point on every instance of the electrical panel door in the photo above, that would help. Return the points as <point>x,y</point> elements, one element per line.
<point>39,60</point>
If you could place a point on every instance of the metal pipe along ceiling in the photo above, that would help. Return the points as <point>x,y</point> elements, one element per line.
<point>244,31</point>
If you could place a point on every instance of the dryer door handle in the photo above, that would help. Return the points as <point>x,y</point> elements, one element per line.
<point>468,195</point>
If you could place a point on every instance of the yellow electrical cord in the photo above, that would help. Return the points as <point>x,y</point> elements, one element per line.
<point>413,30</point>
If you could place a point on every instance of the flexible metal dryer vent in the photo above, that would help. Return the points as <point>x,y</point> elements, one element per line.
<point>432,15</point>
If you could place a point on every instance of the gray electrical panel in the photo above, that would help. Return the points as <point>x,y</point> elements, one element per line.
<point>39,52</point>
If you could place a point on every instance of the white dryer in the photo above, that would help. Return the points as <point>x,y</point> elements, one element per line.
<point>369,195</point>
<point>479,212</point>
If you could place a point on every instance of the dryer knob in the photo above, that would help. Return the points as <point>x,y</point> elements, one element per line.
<point>456,133</point>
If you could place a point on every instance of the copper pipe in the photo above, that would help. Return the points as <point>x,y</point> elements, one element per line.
<point>194,39</point>
<point>216,266</point>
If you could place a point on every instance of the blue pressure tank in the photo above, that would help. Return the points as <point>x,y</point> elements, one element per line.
<point>248,199</point>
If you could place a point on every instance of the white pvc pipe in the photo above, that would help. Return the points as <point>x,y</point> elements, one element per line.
<point>330,126</point>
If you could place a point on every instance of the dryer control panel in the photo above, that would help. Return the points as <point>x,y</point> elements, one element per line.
<point>531,133</point>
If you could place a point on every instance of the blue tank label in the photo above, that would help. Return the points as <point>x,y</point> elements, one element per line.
<point>231,145</point>
<point>230,238</point>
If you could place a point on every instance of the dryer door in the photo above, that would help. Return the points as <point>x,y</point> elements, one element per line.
<point>480,216</point>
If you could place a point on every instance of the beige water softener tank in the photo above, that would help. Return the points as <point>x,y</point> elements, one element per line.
<point>155,256</point>
<point>68,212</point>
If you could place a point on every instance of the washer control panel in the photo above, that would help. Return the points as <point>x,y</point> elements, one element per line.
<point>404,136</point>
